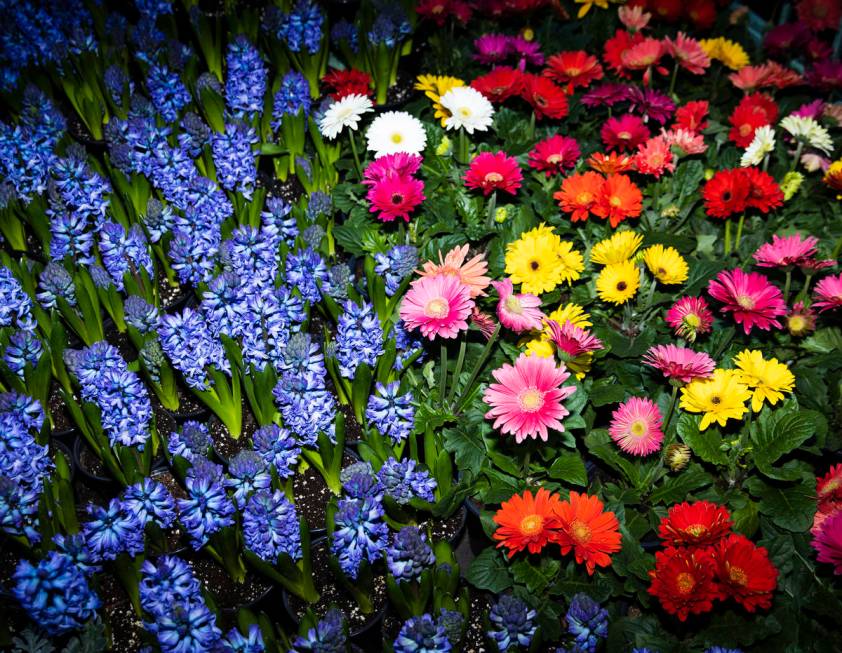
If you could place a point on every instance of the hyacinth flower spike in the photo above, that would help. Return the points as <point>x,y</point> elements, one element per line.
<point>300,31</point>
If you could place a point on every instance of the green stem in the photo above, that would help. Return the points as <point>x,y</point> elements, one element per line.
<point>492,209</point>
<point>532,125</point>
<point>525,467</point>
<point>443,370</point>
<point>356,156</point>
<point>460,360</point>
<point>787,283</point>
<point>480,362</point>
<point>462,147</point>
<point>797,156</point>
<point>671,409</point>
<point>727,237</point>
<point>739,231</point>
<point>673,78</point>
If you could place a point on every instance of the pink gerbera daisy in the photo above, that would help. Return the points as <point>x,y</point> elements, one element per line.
<point>400,163</point>
<point>493,171</point>
<point>636,426</point>
<point>517,312</point>
<point>828,293</point>
<point>395,197</point>
<point>654,157</point>
<point>571,340</point>
<point>624,132</point>
<point>750,296</point>
<point>526,400</point>
<point>690,317</point>
<point>439,306</point>
<point>554,154</point>
<point>645,56</point>
<point>679,363</point>
<point>688,53</point>
<point>828,542</point>
<point>688,142</point>
<point>786,251</point>
<point>492,48</point>
<point>470,273</point>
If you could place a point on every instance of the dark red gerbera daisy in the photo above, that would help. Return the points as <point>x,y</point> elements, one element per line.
<point>694,524</point>
<point>500,84</point>
<point>683,581</point>
<point>745,573</point>
<point>726,193</point>
<point>347,82</point>
<point>547,99</point>
<point>764,192</point>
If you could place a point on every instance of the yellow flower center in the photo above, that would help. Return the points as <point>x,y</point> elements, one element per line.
<point>692,320</point>
<point>745,301</point>
<point>531,524</point>
<point>493,178</point>
<point>513,305</point>
<point>584,198</point>
<point>397,137</point>
<point>531,400</point>
<point>696,529</point>
<point>615,201</point>
<point>685,583</point>
<point>624,135</point>
<point>831,486</point>
<point>554,158</point>
<point>638,428</point>
<point>797,323</point>
<point>437,308</point>
<point>464,112</point>
<point>738,576</point>
<point>572,72</point>
<point>580,532</point>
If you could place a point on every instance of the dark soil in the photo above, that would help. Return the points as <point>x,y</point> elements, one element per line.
<point>170,296</point>
<point>122,342</point>
<point>290,190</point>
<point>91,463</point>
<point>311,494</point>
<point>474,638</point>
<point>400,93</point>
<point>446,529</point>
<point>84,496</point>
<point>124,626</point>
<point>225,446</point>
<point>175,534</point>
<point>62,421</point>
<point>353,430</point>
<point>331,594</point>
<point>228,593</point>
<point>189,407</point>
<point>9,558</point>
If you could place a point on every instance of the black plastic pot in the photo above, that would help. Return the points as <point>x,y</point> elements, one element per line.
<point>103,484</point>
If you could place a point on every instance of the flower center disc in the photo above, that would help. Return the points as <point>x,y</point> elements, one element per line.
<point>531,524</point>
<point>685,582</point>
<point>397,137</point>
<point>531,400</point>
<point>465,112</point>
<point>493,178</point>
<point>580,532</point>
<point>738,576</point>
<point>696,529</point>
<point>554,158</point>
<point>745,302</point>
<point>513,305</point>
<point>638,428</point>
<point>437,307</point>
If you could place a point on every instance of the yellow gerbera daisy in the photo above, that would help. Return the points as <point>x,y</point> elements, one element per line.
<point>618,282</point>
<point>570,261</point>
<point>720,397</point>
<point>668,266</point>
<point>768,378</point>
<point>730,53</point>
<point>539,260</point>
<point>621,246</point>
<point>434,86</point>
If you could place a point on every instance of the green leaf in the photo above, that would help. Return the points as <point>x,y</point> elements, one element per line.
<point>790,507</point>
<point>467,447</point>
<point>569,467</point>
<point>489,571</point>
<point>602,395</point>
<point>778,432</point>
<point>676,488</point>
<point>824,341</point>
<point>352,234</point>
<point>747,518</point>
<point>534,577</point>
<point>705,444</point>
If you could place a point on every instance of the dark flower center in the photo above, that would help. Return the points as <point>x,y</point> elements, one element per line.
<point>534,265</point>
<point>621,286</point>
<point>397,198</point>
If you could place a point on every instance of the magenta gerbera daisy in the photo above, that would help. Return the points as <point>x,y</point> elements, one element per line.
<point>526,400</point>
<point>438,306</point>
<point>827,294</point>
<point>571,340</point>
<point>636,426</point>
<point>395,196</point>
<point>518,312</point>
<point>679,364</point>
<point>786,251</point>
<point>828,542</point>
<point>690,317</point>
<point>750,296</point>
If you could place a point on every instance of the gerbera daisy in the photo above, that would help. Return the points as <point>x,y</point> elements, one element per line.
<point>554,155</point>
<point>752,299</point>
<point>604,95</point>
<point>654,157</point>
<point>668,266</point>
<point>829,490</point>
<point>527,522</point>
<point>690,317</point>
<point>484,322</point>
<point>645,56</point>
<point>679,363</point>
<point>343,113</point>
<point>579,194</point>
<point>726,193</point>
<point>618,282</point>
<point>828,543</point>
<point>683,581</point>
<point>471,274</point>
<point>546,99</point>
<point>761,145</point>
<point>745,573</point>
<point>434,86</point>
<point>764,192</point>
<point>730,53</point>
<point>468,108</point>
<point>807,131</point>
<point>618,199</point>
<point>438,306</point>
<point>688,143</point>
<point>539,260</point>
<point>574,68</point>
<point>610,163</point>
<point>518,312</point>
<point>827,294</point>
<point>395,196</point>
<point>400,163</point>
<point>636,426</point>
<point>493,171</point>
<point>347,82</point>
<point>634,18</point>
<point>573,313</point>
<point>753,111</point>
<point>819,14</point>
<point>591,532</point>
<point>786,251</point>
<point>572,341</point>
<point>492,48</point>
<point>688,53</point>
<point>624,132</point>
<point>526,51</point>
<point>570,261</point>
<point>692,116</point>
<point>440,10</point>
<point>650,104</point>
<point>833,177</point>
<point>616,46</point>
<point>621,246</point>
<point>527,398</point>
<point>800,320</point>
<point>500,84</point>
<point>694,524</point>
<point>396,131</point>
<point>719,398</point>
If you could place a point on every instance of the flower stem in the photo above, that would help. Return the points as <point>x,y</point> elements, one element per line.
<point>727,237</point>
<point>462,147</point>
<point>478,366</point>
<point>671,409</point>
<point>356,156</point>
<point>443,371</point>
<point>492,209</point>
<point>673,78</point>
<point>460,360</point>
<point>787,283</point>
<point>739,231</point>
<point>797,156</point>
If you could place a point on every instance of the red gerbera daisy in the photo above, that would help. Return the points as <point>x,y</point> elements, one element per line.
<point>578,194</point>
<point>683,581</point>
<point>726,193</point>
<point>500,84</point>
<point>702,13</point>
<point>574,68</point>
<point>753,111</point>
<point>829,490</point>
<point>493,171</point>
<point>692,116</point>
<point>667,10</point>
<point>764,192</point>
<point>745,573</point>
<point>694,524</point>
<point>547,99</point>
<point>616,46</point>
<point>618,199</point>
<point>624,132</point>
<point>554,154</point>
<point>347,82</point>
<point>439,10</point>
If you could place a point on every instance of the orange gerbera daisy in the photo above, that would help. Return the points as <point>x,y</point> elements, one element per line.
<point>579,193</point>
<point>472,273</point>
<point>589,531</point>
<point>611,163</point>
<point>619,199</point>
<point>525,522</point>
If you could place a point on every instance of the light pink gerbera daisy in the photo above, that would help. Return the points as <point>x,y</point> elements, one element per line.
<point>571,339</point>
<point>828,542</point>
<point>690,317</point>
<point>636,426</point>
<point>439,306</point>
<point>526,400</point>
<point>827,294</point>
<point>786,251</point>
<point>688,142</point>
<point>750,296</point>
<point>688,53</point>
<point>679,364</point>
<point>517,312</point>
<point>470,273</point>
<point>654,157</point>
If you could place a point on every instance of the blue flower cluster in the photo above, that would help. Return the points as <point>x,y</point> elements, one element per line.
<point>424,634</point>
<point>306,271</point>
<point>54,282</point>
<point>330,635</point>
<point>360,533</point>
<point>403,482</point>
<point>176,611</point>
<point>191,346</point>
<point>235,642</point>
<point>249,473</point>
<point>292,98</point>
<point>122,398</point>
<point>396,265</point>
<point>236,168</point>
<point>359,338</point>
<point>512,623</point>
<point>409,554</point>
<point>168,93</point>
<point>111,531</point>
<point>587,623</point>
<point>278,214</point>
<point>124,252</point>
<point>192,441</point>
<point>15,304</point>
<point>271,526</point>
<point>345,31</point>
<point>393,415</point>
<point>208,508</point>
<point>245,83</point>
<point>277,448</point>
<point>301,28</point>
<point>390,25</point>
<point>140,315</point>
<point>408,346</point>
<point>149,501</point>
<point>23,350</point>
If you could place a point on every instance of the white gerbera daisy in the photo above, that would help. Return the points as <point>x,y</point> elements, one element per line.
<point>808,131</point>
<point>396,131</point>
<point>763,143</point>
<point>468,108</point>
<point>344,113</point>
